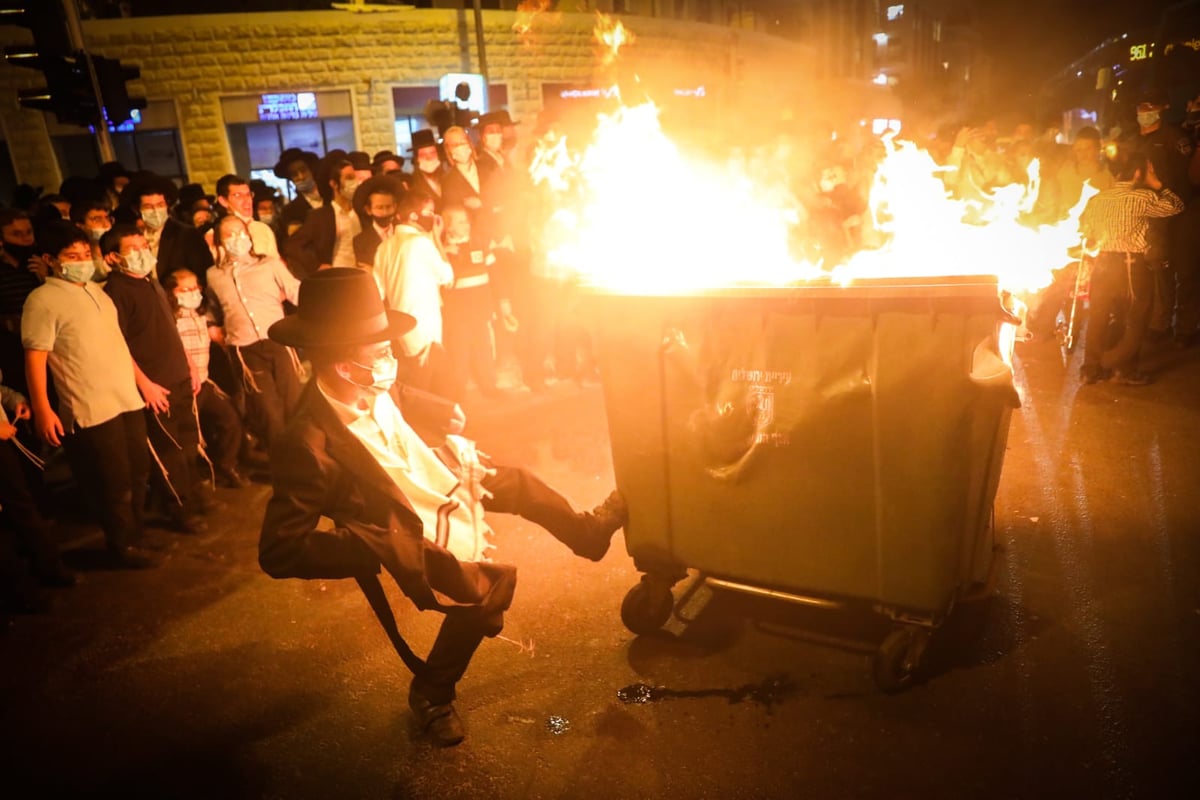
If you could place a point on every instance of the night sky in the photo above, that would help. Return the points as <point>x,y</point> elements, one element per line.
<point>1029,41</point>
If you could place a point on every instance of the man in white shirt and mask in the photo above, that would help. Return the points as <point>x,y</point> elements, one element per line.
<point>236,197</point>
<point>396,502</point>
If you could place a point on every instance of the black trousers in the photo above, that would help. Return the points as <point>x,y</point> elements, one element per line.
<point>1121,297</point>
<point>25,531</point>
<point>111,464</point>
<point>274,374</point>
<point>514,491</point>
<point>174,435</point>
<point>221,424</point>
<point>467,333</point>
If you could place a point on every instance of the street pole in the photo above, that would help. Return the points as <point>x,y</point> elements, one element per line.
<point>75,31</point>
<point>483,70</point>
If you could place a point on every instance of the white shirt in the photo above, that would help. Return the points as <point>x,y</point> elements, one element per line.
<point>411,272</point>
<point>261,236</point>
<point>448,500</point>
<point>251,293</point>
<point>348,226</point>
<point>88,357</point>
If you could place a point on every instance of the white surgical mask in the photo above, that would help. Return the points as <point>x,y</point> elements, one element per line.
<point>189,299</point>
<point>96,234</point>
<point>154,218</point>
<point>237,245</point>
<point>1148,118</point>
<point>349,188</point>
<point>383,375</point>
<point>493,141</point>
<point>461,153</point>
<point>77,271</point>
<point>266,219</point>
<point>140,263</point>
<point>428,165</point>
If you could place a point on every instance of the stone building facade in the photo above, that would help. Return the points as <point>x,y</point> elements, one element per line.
<point>206,77</point>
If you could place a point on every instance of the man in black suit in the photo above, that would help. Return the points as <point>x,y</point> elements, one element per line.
<point>427,176</point>
<point>398,503</point>
<point>174,244</point>
<point>326,239</point>
<point>375,201</point>
<point>299,167</point>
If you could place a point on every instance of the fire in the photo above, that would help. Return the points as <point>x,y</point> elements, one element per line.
<point>527,12</point>
<point>613,35</point>
<point>638,216</point>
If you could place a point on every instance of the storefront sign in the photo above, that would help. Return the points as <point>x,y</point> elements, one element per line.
<point>287,106</point>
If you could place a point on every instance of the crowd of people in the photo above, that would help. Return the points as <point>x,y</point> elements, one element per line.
<point>136,316</point>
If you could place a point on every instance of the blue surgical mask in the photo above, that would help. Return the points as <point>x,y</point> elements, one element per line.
<point>77,271</point>
<point>140,263</point>
<point>305,186</point>
<point>383,375</point>
<point>154,218</point>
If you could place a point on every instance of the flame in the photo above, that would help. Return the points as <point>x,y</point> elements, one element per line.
<point>613,34</point>
<point>636,215</point>
<point>527,12</point>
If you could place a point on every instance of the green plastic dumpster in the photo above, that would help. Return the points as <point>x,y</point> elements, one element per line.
<point>823,444</point>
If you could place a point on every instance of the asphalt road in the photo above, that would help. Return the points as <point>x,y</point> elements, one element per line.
<point>1077,678</point>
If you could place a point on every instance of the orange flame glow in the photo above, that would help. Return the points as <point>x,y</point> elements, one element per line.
<point>613,34</point>
<point>527,12</point>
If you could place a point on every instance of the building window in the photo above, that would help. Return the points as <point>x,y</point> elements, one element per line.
<point>260,127</point>
<point>894,13</point>
<point>150,142</point>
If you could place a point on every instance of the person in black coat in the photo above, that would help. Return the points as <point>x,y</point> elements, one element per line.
<point>375,201</point>
<point>427,173</point>
<point>299,167</point>
<point>318,243</point>
<point>175,245</point>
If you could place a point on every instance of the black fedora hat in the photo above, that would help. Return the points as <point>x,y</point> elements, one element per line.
<point>292,155</point>
<point>422,138</point>
<point>340,307</point>
<point>499,117</point>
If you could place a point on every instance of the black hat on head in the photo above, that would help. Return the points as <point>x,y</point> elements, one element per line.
<point>144,183</point>
<point>1153,96</point>
<point>340,307</point>
<point>423,138</point>
<point>385,155</point>
<point>110,171</point>
<point>500,117</point>
<point>359,159</point>
<point>292,155</point>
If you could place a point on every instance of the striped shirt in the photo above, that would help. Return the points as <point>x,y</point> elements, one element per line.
<point>193,330</point>
<point>1116,220</point>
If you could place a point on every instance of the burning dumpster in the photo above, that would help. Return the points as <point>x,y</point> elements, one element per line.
<point>827,444</point>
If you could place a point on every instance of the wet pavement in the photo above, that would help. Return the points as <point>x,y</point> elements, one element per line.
<point>1077,678</point>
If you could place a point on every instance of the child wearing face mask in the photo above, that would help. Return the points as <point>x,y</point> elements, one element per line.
<point>250,290</point>
<point>220,422</point>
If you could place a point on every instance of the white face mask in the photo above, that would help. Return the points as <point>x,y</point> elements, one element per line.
<point>96,234</point>
<point>429,165</point>
<point>493,141</point>
<point>383,375</point>
<point>349,188</point>
<point>189,299</point>
<point>266,219</point>
<point>1148,118</point>
<point>154,218</point>
<point>237,245</point>
<point>461,153</point>
<point>77,271</point>
<point>140,263</point>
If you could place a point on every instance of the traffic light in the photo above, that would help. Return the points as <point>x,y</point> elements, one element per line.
<point>70,93</point>
<point>112,76</point>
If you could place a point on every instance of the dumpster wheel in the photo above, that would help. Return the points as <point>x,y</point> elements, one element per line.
<point>896,661</point>
<point>647,606</point>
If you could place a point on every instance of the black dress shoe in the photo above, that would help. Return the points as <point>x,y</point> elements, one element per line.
<point>603,521</point>
<point>439,721</point>
<point>231,478</point>
<point>133,558</point>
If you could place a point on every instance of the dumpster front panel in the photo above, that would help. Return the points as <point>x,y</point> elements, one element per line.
<point>833,446</point>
